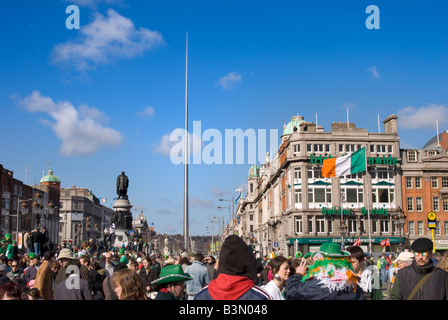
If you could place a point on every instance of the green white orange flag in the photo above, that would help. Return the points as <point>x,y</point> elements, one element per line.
<point>346,165</point>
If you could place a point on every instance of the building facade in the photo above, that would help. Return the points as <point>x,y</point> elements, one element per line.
<point>290,207</point>
<point>82,217</point>
<point>425,189</point>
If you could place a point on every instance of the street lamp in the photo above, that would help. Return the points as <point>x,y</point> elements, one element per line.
<point>22,207</point>
<point>230,215</point>
<point>400,220</point>
<point>343,233</point>
<point>228,207</point>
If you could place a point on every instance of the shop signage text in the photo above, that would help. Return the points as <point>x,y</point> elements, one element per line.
<point>389,160</point>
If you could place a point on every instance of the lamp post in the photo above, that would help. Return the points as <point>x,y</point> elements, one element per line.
<point>400,220</point>
<point>343,233</point>
<point>22,208</point>
<point>228,207</point>
<point>212,246</point>
<point>233,211</point>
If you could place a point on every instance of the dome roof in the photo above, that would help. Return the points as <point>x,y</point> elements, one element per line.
<point>50,177</point>
<point>295,122</point>
<point>253,171</point>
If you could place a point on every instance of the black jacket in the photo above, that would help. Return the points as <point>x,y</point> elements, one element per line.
<point>435,287</point>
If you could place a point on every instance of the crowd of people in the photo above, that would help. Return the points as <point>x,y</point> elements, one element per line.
<point>237,274</point>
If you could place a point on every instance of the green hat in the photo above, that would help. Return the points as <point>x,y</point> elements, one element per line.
<point>172,273</point>
<point>329,250</point>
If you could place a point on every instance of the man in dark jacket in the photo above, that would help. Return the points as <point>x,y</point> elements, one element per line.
<point>236,274</point>
<point>407,286</point>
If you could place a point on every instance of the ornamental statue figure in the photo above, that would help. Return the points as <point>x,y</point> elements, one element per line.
<point>122,186</point>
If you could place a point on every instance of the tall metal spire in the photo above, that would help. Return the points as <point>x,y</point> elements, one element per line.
<point>186,223</point>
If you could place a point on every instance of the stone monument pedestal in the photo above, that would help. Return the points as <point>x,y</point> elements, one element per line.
<point>122,218</point>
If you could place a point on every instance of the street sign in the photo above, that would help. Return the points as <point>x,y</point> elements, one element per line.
<point>432,220</point>
<point>275,244</point>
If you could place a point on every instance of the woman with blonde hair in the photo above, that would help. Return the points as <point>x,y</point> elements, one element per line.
<point>128,285</point>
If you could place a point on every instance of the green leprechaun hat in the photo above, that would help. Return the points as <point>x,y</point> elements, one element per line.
<point>172,273</point>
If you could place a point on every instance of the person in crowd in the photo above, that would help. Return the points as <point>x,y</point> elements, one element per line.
<point>55,266</point>
<point>128,285</point>
<point>34,294</point>
<point>95,280</point>
<point>236,274</point>
<point>436,256</point>
<point>200,274</point>
<point>108,266</point>
<point>383,265</point>
<point>421,280</point>
<point>184,262</point>
<point>44,277</point>
<point>148,273</point>
<point>108,286</point>
<point>330,277</point>
<point>31,271</point>
<point>171,283</point>
<point>443,263</point>
<point>281,269</point>
<point>209,263</point>
<point>16,274</point>
<point>359,263</point>
<point>404,260</point>
<point>73,287</point>
<point>10,291</point>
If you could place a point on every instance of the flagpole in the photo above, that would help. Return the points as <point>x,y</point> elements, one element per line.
<point>369,199</point>
<point>186,225</point>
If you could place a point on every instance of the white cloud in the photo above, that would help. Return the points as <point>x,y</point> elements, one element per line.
<point>104,40</point>
<point>423,117</point>
<point>195,202</point>
<point>374,72</point>
<point>230,80</point>
<point>79,129</point>
<point>147,112</point>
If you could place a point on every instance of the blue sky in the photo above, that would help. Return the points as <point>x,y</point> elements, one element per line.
<point>104,98</point>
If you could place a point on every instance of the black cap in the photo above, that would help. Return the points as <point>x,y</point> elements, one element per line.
<point>422,245</point>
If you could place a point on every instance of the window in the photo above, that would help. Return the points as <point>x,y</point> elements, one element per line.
<point>419,203</point>
<point>319,194</point>
<point>298,196</point>
<point>296,148</point>
<point>351,225</point>
<point>384,225</point>
<point>349,148</point>
<point>434,182</point>
<point>431,152</point>
<point>445,204</point>
<point>382,173</point>
<point>381,148</point>
<point>251,217</point>
<point>314,172</point>
<point>444,182</point>
<point>412,156</point>
<point>297,173</point>
<point>419,228</point>
<point>382,195</point>
<point>309,147</point>
<point>310,224</point>
<point>298,223</point>
<point>372,148</point>
<point>410,203</point>
<point>320,224</point>
<point>418,182</point>
<point>341,148</point>
<point>435,204</point>
<point>408,182</point>
<point>318,148</point>
<point>251,187</point>
<point>389,148</point>
<point>445,226</point>
<point>411,227</point>
<point>437,230</point>
<point>352,195</point>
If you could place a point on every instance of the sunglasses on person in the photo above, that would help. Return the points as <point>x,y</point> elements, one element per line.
<point>424,254</point>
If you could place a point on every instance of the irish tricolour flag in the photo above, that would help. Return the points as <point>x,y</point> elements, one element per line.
<point>346,165</point>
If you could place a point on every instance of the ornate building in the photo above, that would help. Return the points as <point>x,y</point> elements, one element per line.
<point>290,206</point>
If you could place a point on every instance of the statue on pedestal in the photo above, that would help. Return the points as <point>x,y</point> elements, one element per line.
<point>122,186</point>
